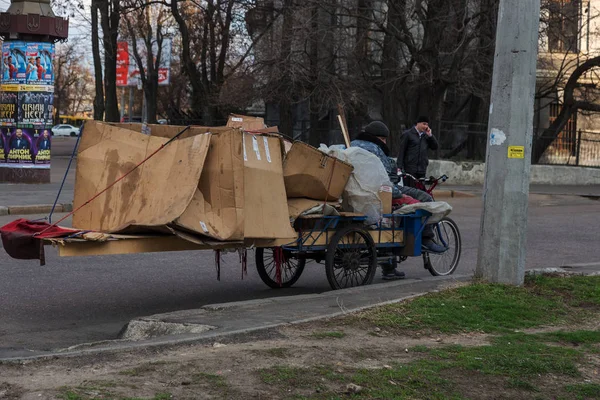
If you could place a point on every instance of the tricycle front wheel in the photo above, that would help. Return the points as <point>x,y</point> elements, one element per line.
<point>291,268</point>
<point>351,258</point>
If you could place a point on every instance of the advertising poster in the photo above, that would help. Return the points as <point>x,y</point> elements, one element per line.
<point>3,144</point>
<point>39,63</point>
<point>35,109</point>
<point>14,62</point>
<point>8,107</point>
<point>128,72</point>
<point>42,148</point>
<point>20,147</point>
<point>27,62</point>
<point>122,63</point>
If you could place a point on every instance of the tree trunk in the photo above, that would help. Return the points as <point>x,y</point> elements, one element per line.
<point>109,19</point>
<point>98,81</point>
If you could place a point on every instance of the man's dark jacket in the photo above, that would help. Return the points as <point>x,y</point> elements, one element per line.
<point>412,156</point>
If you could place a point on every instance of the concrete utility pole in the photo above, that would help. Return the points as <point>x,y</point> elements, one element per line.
<point>502,243</point>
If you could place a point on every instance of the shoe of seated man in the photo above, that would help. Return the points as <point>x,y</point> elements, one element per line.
<point>432,247</point>
<point>393,274</point>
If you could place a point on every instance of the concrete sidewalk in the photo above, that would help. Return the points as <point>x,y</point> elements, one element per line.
<point>228,320</point>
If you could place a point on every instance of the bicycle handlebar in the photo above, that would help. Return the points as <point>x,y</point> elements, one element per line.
<point>431,179</point>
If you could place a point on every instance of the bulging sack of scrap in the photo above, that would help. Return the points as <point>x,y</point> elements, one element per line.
<point>361,194</point>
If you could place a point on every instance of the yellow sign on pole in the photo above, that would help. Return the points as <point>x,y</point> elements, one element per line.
<point>516,151</point>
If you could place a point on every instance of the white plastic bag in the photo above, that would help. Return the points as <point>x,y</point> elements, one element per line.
<point>361,194</point>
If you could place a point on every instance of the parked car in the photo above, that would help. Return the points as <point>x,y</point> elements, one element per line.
<point>65,130</point>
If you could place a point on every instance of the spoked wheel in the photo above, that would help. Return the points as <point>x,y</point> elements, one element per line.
<point>351,258</point>
<point>291,268</point>
<point>447,235</point>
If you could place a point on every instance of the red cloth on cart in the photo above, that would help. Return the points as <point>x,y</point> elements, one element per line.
<point>404,200</point>
<point>19,241</point>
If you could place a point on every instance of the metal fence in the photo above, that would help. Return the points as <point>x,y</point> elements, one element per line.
<point>463,141</point>
<point>582,150</point>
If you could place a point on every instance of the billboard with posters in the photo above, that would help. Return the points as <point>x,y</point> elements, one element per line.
<point>26,104</point>
<point>27,62</point>
<point>128,73</point>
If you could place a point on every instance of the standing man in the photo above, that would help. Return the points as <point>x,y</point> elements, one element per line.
<point>414,145</point>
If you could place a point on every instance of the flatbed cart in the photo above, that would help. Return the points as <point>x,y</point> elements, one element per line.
<point>351,250</point>
<point>348,247</point>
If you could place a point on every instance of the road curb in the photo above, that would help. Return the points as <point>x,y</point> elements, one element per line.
<point>35,209</point>
<point>68,207</point>
<point>444,194</point>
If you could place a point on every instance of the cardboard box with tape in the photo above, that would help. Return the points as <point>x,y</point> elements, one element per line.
<point>312,174</point>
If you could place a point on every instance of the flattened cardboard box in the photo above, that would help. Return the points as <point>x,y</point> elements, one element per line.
<point>192,180</point>
<point>310,173</point>
<point>150,197</point>
<point>241,193</point>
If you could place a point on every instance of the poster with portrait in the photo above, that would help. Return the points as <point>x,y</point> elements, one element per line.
<point>20,147</point>
<point>39,57</point>
<point>3,143</point>
<point>14,62</point>
<point>42,147</point>
<point>8,107</point>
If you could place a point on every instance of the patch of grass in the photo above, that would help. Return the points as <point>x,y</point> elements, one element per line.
<point>283,375</point>
<point>69,395</point>
<point>512,356</point>
<point>328,335</point>
<point>279,352</point>
<point>211,379</point>
<point>577,291</point>
<point>144,368</point>
<point>486,308</point>
<point>585,391</point>
<point>159,396</point>
<point>518,383</point>
<point>576,337</point>
<point>419,379</point>
<point>84,393</point>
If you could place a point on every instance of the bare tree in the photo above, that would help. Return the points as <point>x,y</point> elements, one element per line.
<point>146,21</point>
<point>106,102</point>
<point>207,56</point>
<point>72,79</point>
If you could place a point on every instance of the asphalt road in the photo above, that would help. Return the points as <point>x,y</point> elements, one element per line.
<point>78,300</point>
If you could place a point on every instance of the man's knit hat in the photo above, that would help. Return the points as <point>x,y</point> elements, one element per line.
<point>377,128</point>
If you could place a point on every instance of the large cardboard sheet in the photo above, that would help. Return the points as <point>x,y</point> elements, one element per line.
<point>153,195</point>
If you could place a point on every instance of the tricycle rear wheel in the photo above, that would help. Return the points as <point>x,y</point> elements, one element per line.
<point>291,268</point>
<point>351,258</point>
<point>446,234</point>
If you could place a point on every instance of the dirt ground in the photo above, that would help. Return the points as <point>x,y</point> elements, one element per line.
<point>232,368</point>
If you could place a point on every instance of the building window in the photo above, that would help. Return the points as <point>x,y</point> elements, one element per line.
<point>563,26</point>
<point>566,141</point>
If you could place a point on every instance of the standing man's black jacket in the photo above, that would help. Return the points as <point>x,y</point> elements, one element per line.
<point>412,157</point>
